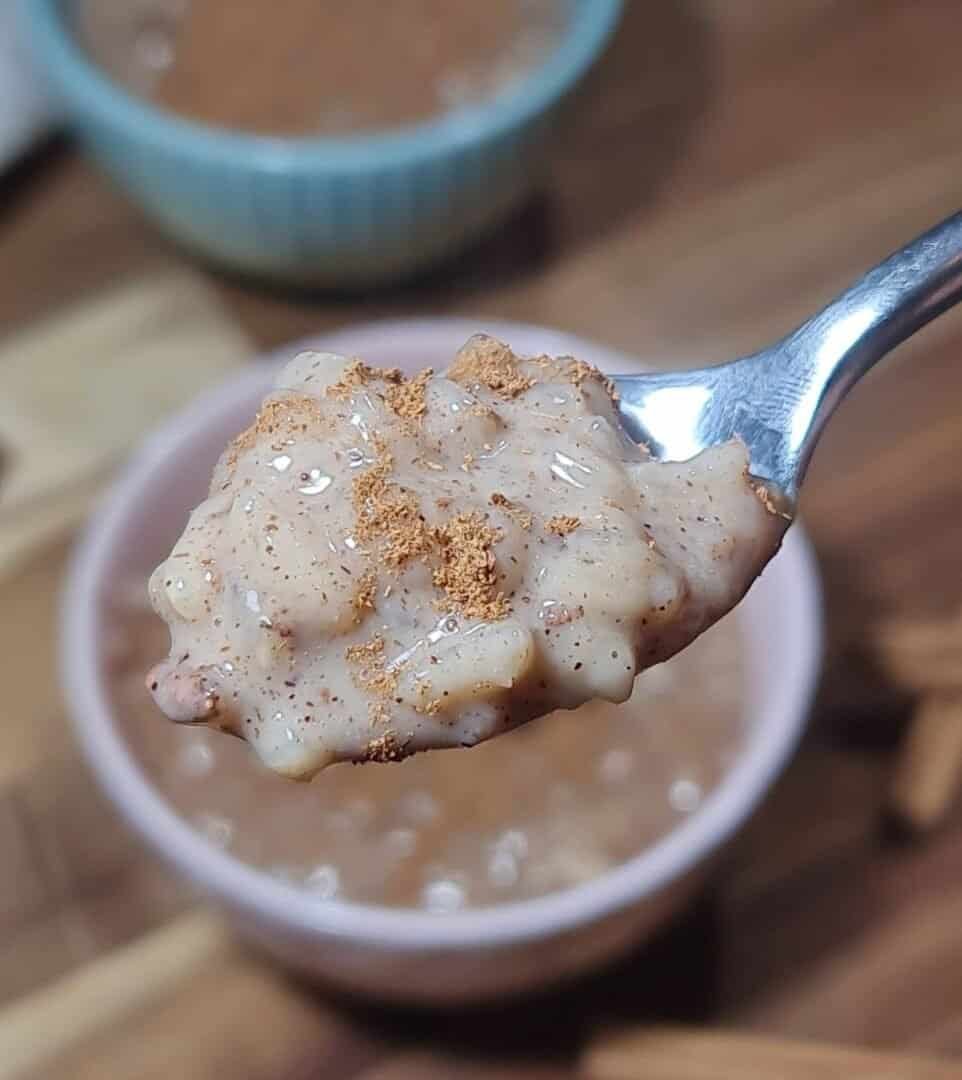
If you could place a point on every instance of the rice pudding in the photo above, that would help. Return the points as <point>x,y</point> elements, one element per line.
<point>305,68</point>
<point>535,811</point>
<point>389,564</point>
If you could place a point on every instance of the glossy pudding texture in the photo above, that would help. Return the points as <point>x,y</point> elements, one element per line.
<point>388,564</point>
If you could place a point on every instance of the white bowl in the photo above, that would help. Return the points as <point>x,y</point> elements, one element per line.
<point>389,952</point>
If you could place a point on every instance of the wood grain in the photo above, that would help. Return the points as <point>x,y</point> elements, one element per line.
<point>131,355</point>
<point>738,163</point>
<point>33,717</point>
<point>75,885</point>
<point>685,1054</point>
<point>38,1027</point>
<point>227,1015</point>
<point>421,1066</point>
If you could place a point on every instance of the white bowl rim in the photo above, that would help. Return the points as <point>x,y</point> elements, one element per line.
<point>263,897</point>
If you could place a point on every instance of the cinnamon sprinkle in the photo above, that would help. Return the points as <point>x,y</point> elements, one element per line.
<point>491,363</point>
<point>389,512</point>
<point>386,747</point>
<point>288,415</point>
<point>378,713</point>
<point>467,571</point>
<point>372,675</point>
<point>520,516</point>
<point>363,599</point>
<point>562,524</point>
<point>365,652</point>
<point>356,374</point>
<point>407,398</point>
<point>368,490</point>
<point>578,370</point>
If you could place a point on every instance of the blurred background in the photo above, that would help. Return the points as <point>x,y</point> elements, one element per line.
<point>681,181</point>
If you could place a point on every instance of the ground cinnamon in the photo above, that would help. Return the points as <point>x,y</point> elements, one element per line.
<point>467,574</point>
<point>562,524</point>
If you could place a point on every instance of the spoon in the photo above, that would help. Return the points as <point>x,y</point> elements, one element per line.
<point>778,400</point>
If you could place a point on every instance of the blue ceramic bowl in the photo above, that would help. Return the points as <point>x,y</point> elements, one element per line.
<point>337,212</point>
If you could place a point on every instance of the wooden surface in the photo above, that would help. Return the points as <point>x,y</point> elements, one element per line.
<point>740,162</point>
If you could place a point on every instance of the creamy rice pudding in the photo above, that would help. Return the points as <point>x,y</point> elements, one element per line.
<point>306,68</point>
<point>540,809</point>
<point>389,564</point>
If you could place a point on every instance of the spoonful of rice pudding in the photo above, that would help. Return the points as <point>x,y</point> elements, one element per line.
<point>387,564</point>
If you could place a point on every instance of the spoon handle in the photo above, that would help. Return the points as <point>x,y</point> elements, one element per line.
<point>832,350</point>
<point>778,400</point>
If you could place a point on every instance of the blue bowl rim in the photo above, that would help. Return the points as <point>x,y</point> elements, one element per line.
<point>87,90</point>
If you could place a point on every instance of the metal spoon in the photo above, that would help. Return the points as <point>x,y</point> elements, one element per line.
<point>778,400</point>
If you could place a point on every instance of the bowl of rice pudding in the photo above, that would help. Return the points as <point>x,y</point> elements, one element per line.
<point>326,145</point>
<point>452,875</point>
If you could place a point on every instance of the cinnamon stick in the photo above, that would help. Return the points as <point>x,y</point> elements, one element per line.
<point>929,767</point>
<point>680,1053</point>
<point>924,656</point>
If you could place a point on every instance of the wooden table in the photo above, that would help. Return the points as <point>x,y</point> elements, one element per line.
<point>740,162</point>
